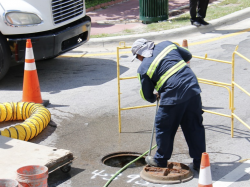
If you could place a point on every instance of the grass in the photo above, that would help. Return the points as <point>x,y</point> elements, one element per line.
<point>91,3</point>
<point>214,11</point>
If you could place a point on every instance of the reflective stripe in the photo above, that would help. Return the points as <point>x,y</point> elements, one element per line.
<point>30,66</point>
<point>157,60</point>
<point>169,73</point>
<point>205,178</point>
<point>185,48</point>
<point>29,53</point>
<point>141,92</point>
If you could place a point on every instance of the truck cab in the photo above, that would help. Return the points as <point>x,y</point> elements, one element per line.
<point>54,27</point>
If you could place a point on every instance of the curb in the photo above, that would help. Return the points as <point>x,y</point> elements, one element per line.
<point>182,31</point>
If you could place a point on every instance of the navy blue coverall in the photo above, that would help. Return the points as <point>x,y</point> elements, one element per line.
<point>180,102</point>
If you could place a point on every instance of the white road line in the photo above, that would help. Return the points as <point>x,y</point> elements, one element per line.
<point>234,175</point>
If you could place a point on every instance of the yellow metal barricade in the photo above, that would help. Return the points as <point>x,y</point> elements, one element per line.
<point>228,86</point>
<point>233,115</point>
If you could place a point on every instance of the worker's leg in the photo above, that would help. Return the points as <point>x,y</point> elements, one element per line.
<point>192,9</point>
<point>166,124</point>
<point>202,8</point>
<point>193,13</point>
<point>193,129</point>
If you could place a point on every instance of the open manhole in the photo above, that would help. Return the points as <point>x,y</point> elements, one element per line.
<point>121,159</point>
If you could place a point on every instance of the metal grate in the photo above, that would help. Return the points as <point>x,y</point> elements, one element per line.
<point>64,10</point>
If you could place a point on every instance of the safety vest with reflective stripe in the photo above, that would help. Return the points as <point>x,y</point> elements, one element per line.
<point>158,58</point>
<point>169,73</point>
<point>141,92</point>
<point>165,76</point>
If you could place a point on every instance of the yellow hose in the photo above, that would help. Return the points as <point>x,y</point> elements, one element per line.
<point>36,117</point>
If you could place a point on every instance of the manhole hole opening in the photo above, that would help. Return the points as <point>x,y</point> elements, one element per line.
<point>121,159</point>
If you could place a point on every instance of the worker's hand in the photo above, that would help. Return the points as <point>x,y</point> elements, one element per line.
<point>157,96</point>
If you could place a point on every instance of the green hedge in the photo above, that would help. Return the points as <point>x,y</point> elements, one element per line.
<point>91,3</point>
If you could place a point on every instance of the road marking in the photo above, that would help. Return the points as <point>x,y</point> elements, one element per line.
<point>234,175</point>
<point>96,54</point>
<point>220,37</point>
<point>126,52</point>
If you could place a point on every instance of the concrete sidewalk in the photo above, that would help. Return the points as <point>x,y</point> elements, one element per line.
<point>181,32</point>
<point>122,16</point>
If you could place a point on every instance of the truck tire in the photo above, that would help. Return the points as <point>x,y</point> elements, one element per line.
<point>5,56</point>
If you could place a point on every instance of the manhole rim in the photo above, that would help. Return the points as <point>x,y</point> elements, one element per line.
<point>122,153</point>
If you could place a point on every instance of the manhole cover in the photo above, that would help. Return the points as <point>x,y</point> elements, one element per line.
<point>121,159</point>
<point>174,173</point>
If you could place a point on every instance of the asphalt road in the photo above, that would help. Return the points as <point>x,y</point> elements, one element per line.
<point>83,101</point>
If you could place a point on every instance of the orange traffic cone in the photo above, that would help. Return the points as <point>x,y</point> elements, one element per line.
<point>31,87</point>
<point>205,178</point>
<point>185,44</point>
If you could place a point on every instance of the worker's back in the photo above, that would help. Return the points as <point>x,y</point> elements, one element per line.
<point>180,86</point>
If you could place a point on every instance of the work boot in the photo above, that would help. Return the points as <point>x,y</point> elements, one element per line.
<point>202,21</point>
<point>195,22</point>
<point>196,168</point>
<point>151,161</point>
<point>196,164</point>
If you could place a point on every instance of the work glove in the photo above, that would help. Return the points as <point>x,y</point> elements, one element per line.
<point>157,96</point>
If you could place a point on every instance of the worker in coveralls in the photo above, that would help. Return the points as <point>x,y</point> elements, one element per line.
<point>164,69</point>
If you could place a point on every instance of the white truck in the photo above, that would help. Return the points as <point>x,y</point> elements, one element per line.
<point>54,27</point>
